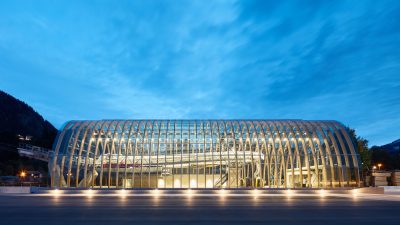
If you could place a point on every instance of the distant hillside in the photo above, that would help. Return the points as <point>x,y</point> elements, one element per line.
<point>18,118</point>
<point>388,155</point>
<point>392,147</point>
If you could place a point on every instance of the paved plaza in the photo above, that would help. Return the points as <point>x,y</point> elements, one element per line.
<point>199,209</point>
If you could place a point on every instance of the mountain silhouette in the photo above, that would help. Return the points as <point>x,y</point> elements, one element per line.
<point>21,123</point>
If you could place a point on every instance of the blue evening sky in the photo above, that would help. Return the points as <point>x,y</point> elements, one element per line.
<point>206,59</point>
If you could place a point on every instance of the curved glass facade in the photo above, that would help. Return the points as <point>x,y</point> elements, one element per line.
<point>204,154</point>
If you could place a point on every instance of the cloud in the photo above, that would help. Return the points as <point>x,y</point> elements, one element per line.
<point>191,59</point>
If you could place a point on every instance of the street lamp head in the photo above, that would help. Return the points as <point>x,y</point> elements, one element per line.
<point>374,167</point>
<point>23,174</point>
<point>379,164</point>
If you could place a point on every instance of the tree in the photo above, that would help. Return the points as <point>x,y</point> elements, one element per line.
<point>362,148</point>
<point>389,161</point>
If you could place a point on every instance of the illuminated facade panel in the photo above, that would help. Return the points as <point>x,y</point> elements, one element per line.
<point>204,154</point>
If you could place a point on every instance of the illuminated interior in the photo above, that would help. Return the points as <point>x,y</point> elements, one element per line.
<point>204,154</point>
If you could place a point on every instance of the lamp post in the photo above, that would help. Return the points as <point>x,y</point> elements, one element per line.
<point>379,166</point>
<point>22,175</point>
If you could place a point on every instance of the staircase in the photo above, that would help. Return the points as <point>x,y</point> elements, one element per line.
<point>222,180</point>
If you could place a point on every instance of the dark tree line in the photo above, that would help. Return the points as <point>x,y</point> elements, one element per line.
<point>370,157</point>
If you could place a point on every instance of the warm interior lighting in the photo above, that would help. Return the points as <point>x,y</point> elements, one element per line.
<point>22,174</point>
<point>161,183</point>
<point>209,183</point>
<point>177,183</point>
<point>193,183</point>
<point>165,162</point>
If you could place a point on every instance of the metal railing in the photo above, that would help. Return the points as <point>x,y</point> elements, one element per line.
<point>34,152</point>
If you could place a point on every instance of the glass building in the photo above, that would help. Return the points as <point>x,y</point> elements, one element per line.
<point>204,154</point>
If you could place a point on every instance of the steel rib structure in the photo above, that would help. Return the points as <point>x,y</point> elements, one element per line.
<point>204,154</point>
